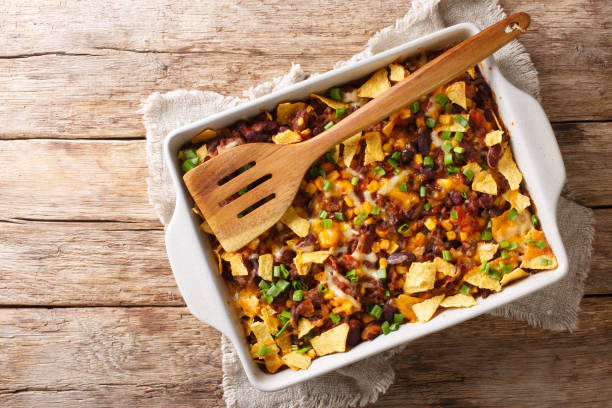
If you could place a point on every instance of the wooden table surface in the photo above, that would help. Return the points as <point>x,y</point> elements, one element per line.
<point>90,315</point>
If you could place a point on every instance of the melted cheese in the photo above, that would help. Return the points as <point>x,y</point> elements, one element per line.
<point>330,274</point>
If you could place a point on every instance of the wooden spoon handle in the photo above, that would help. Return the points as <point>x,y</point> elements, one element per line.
<point>433,74</point>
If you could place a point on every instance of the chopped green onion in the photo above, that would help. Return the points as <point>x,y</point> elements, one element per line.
<point>328,125</point>
<point>189,164</point>
<point>263,351</point>
<point>461,120</point>
<point>267,298</point>
<point>379,170</point>
<point>504,268</point>
<point>394,327</point>
<point>360,218</point>
<point>327,185</point>
<point>294,347</point>
<point>459,150</point>
<point>352,275</point>
<point>376,210</point>
<point>465,289</point>
<point>276,271</point>
<point>512,215</point>
<point>454,215</point>
<point>298,284</point>
<point>392,162</point>
<point>430,123</point>
<point>441,99</point>
<point>284,316</point>
<point>263,285</point>
<point>445,135</point>
<point>340,112</point>
<point>415,106</point>
<point>403,228</point>
<point>282,284</point>
<point>486,235</point>
<point>428,161</point>
<point>447,146</point>
<point>485,267</point>
<point>448,158</point>
<point>327,223</point>
<point>376,311</point>
<point>398,318</point>
<point>335,93</point>
<point>334,318</point>
<point>354,181</point>
<point>489,224</point>
<point>403,187</point>
<point>446,255</point>
<point>422,191</point>
<point>304,349</point>
<point>458,136</point>
<point>540,244</point>
<point>534,220</point>
<point>387,293</point>
<point>190,154</point>
<point>544,261</point>
<point>504,254</point>
<point>298,295</point>
<point>464,195</point>
<point>504,244</point>
<point>323,214</point>
<point>427,206</point>
<point>316,171</point>
<point>385,328</point>
<point>329,157</point>
<point>396,172</point>
<point>322,288</point>
<point>452,169</point>
<point>513,246</point>
<point>381,273</point>
<point>277,335</point>
<point>396,155</point>
<point>494,273</point>
<point>339,216</point>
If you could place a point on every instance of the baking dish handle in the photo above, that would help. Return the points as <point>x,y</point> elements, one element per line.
<point>193,270</point>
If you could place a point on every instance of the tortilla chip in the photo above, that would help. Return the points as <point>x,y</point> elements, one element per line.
<point>373,151</point>
<point>297,224</point>
<point>332,103</point>
<point>486,251</point>
<point>375,86</point>
<point>315,257</point>
<point>202,153</point>
<point>332,341</point>
<point>459,300</point>
<point>262,334</point>
<point>493,137</point>
<point>444,267</point>
<point>271,322</point>
<point>473,166</point>
<point>248,302</point>
<point>286,111</point>
<point>420,277</point>
<point>484,183</point>
<point>284,342</point>
<point>482,280</point>
<point>404,304</point>
<point>426,309</point>
<point>304,327</point>
<point>517,200</point>
<point>453,127</point>
<point>273,362</point>
<point>536,258</point>
<point>236,264</point>
<point>219,259</point>
<point>397,72</point>
<point>456,93</point>
<point>518,273</point>
<point>297,361</point>
<point>204,135</point>
<point>510,171</point>
<point>302,267</point>
<point>266,263</point>
<point>287,137</point>
<point>350,148</point>
<point>472,72</point>
<point>504,229</point>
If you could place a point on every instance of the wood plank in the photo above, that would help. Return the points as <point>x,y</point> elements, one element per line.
<point>110,264</point>
<point>87,78</point>
<point>89,357</point>
<point>111,175</point>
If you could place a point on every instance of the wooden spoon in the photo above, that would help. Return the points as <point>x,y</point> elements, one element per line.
<point>213,183</point>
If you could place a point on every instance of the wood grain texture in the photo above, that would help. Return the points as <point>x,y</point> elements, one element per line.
<point>142,357</point>
<point>125,264</point>
<point>109,58</point>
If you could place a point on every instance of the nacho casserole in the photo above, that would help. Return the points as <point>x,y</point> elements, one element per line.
<point>421,212</point>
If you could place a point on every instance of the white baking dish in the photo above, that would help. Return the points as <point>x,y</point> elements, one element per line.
<point>195,266</point>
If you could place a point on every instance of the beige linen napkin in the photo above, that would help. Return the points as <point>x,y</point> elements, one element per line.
<point>554,308</point>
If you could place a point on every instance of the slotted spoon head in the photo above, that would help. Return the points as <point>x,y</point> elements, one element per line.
<point>273,176</point>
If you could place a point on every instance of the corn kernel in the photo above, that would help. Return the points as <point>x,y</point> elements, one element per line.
<point>319,183</point>
<point>451,235</point>
<point>373,186</point>
<point>404,113</point>
<point>328,237</point>
<point>419,237</point>
<point>366,207</point>
<point>311,353</point>
<point>384,244</point>
<point>445,183</point>
<point>344,186</point>
<point>328,295</point>
<point>344,226</point>
<point>381,232</point>
<point>359,273</point>
<point>445,119</point>
<point>418,158</point>
<point>430,223</point>
<point>382,262</point>
<point>328,167</point>
<point>367,318</point>
<point>348,202</point>
<point>333,176</point>
<point>387,147</point>
<point>376,247</point>
<point>181,155</point>
<point>320,276</point>
<point>420,122</point>
<point>447,225</point>
<point>269,115</point>
<point>369,221</point>
<point>288,303</point>
<point>463,236</point>
<point>393,247</point>
<point>305,132</point>
<point>311,188</point>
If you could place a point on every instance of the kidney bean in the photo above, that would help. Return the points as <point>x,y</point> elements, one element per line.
<point>401,258</point>
<point>285,256</point>
<point>408,154</point>
<point>485,200</point>
<point>354,334</point>
<point>455,197</point>
<point>388,311</point>
<point>424,141</point>
<point>371,331</point>
<point>493,155</point>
